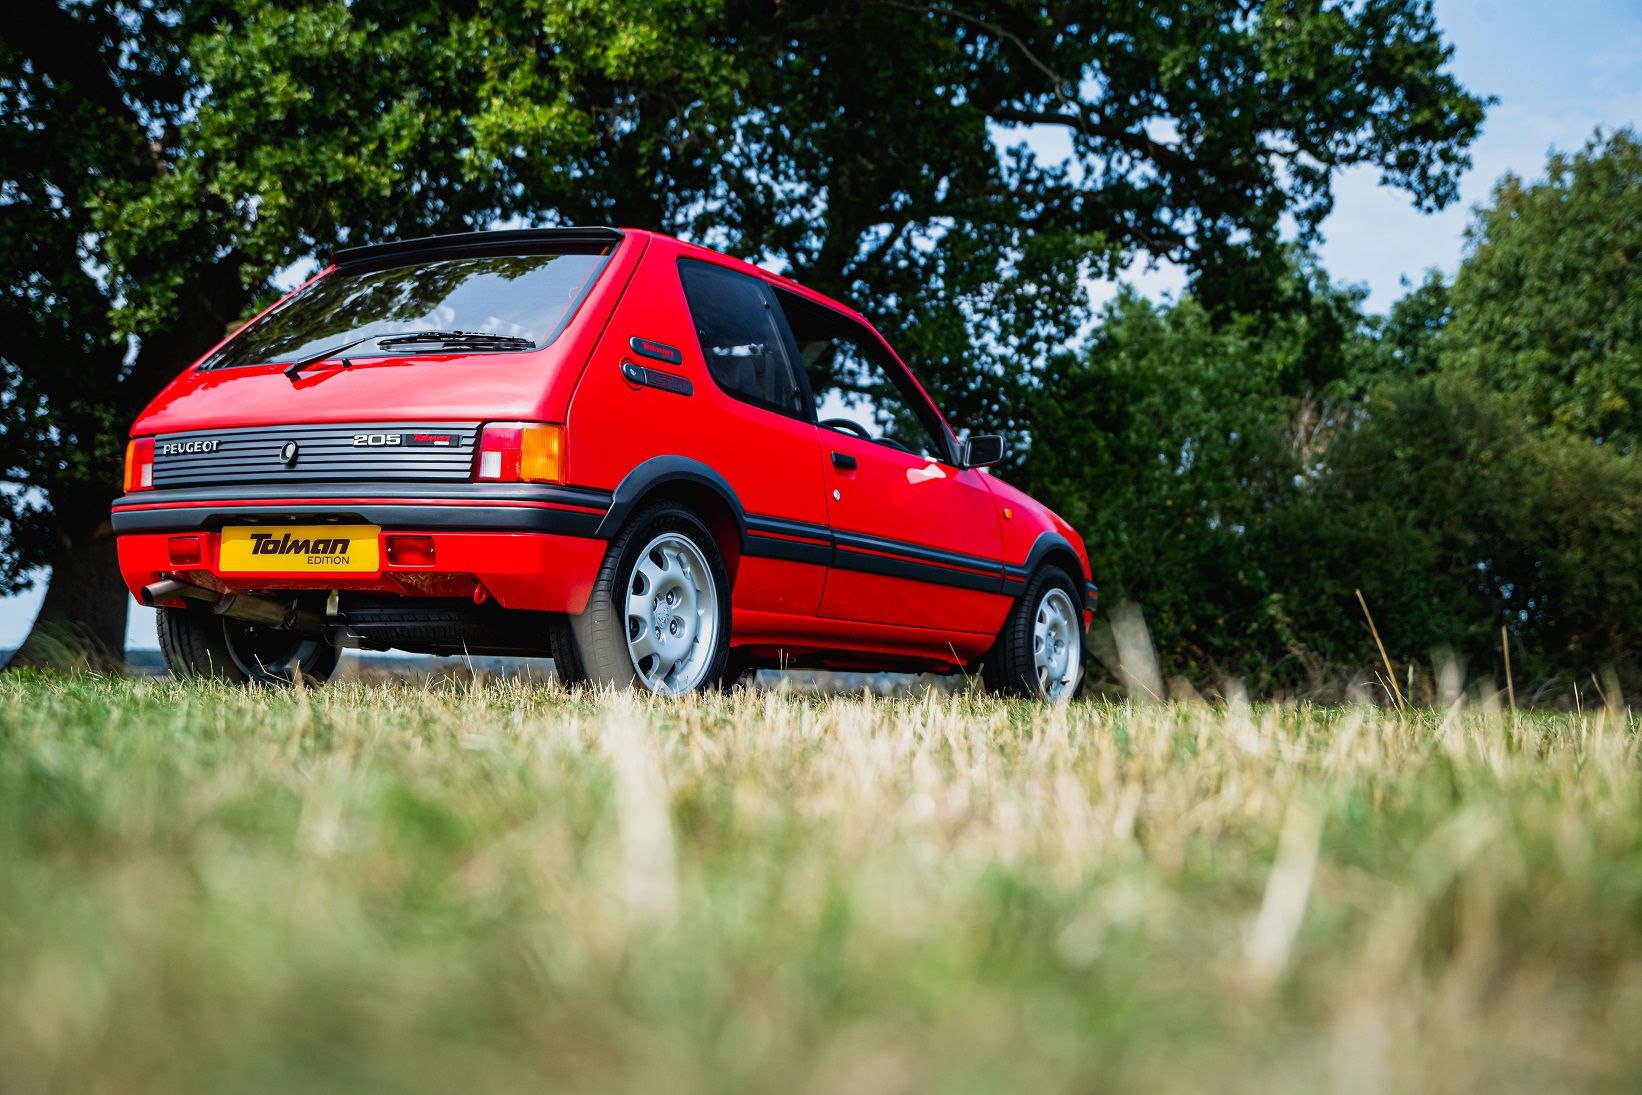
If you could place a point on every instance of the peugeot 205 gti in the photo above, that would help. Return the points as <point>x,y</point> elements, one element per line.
<point>651,462</point>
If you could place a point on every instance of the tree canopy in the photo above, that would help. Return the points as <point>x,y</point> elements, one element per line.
<point>1545,305</point>
<point>1466,460</point>
<point>165,160</point>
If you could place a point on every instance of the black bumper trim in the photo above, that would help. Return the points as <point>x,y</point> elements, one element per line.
<point>495,507</point>
<point>465,491</point>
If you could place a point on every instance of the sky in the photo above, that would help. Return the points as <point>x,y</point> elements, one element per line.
<point>1559,70</point>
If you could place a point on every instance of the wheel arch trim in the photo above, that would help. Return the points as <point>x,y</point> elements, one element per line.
<point>1050,547</point>
<point>658,472</point>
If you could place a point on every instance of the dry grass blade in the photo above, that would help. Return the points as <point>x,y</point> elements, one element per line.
<point>1391,674</point>
<point>506,886</point>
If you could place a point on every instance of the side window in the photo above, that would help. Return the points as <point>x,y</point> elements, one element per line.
<point>741,337</point>
<point>858,387</point>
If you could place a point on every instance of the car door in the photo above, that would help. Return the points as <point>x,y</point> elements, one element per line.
<point>763,439</point>
<point>917,540</point>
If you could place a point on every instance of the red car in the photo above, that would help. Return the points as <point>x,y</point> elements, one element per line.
<point>651,462</point>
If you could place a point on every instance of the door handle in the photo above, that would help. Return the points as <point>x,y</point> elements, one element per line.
<point>843,461</point>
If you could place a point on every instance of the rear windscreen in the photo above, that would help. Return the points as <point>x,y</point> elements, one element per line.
<point>522,296</point>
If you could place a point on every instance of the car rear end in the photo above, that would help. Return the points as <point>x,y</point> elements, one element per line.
<point>410,491</point>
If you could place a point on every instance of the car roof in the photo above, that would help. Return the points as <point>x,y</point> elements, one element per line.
<point>502,240</point>
<point>697,251</point>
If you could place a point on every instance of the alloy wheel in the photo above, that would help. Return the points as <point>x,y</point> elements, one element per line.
<point>1057,650</point>
<point>672,615</point>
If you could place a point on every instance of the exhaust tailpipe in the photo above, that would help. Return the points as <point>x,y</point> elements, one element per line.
<point>253,609</point>
<point>169,589</point>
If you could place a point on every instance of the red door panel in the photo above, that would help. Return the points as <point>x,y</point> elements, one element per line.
<point>917,540</point>
<point>771,461</point>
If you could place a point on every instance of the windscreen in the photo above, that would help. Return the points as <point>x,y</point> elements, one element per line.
<point>522,296</point>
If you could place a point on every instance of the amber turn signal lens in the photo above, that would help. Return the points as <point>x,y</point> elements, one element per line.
<point>542,460</point>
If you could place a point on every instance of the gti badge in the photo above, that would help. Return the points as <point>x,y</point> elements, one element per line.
<point>287,453</point>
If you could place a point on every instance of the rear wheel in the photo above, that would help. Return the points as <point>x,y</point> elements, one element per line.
<point>198,643</point>
<point>659,615</point>
<point>1039,652</point>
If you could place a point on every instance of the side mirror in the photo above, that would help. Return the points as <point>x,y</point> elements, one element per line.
<point>981,450</point>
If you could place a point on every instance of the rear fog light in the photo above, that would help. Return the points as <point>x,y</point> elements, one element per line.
<point>410,551</point>
<point>185,551</point>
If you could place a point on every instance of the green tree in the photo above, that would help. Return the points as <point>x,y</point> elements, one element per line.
<point>164,160</point>
<point>1547,305</point>
<point>1458,517</point>
<point>1171,441</point>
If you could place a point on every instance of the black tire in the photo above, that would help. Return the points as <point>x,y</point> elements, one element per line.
<point>600,633</point>
<point>1010,667</point>
<point>567,660</point>
<point>197,643</point>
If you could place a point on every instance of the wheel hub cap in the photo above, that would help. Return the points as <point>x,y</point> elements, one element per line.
<point>672,615</point>
<point>1056,645</point>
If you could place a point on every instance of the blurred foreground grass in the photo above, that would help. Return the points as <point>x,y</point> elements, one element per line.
<point>507,887</point>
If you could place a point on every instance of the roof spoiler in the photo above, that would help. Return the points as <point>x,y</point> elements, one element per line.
<point>513,241</point>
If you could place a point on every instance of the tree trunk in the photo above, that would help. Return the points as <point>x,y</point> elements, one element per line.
<point>82,620</point>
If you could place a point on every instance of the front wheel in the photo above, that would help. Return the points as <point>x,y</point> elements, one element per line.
<point>1039,652</point>
<point>659,615</point>
<point>198,643</point>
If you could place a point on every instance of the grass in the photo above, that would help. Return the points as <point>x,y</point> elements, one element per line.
<point>507,887</point>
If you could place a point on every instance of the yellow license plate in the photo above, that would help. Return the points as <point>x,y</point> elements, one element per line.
<point>328,549</point>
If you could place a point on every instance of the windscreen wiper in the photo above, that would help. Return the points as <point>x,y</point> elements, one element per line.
<point>472,340</point>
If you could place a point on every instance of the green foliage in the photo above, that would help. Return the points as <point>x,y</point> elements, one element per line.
<point>163,160</point>
<point>1171,441</point>
<point>1546,304</point>
<point>1241,478</point>
<point>1456,518</point>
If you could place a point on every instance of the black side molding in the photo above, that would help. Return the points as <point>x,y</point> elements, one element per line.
<point>792,541</point>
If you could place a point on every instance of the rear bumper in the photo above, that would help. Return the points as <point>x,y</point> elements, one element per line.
<point>567,511</point>
<point>527,547</point>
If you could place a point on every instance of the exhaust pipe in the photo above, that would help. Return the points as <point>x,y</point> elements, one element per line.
<point>283,615</point>
<point>168,589</point>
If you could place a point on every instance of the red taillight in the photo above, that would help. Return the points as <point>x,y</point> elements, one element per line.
<point>520,452</point>
<point>139,464</point>
<point>410,551</point>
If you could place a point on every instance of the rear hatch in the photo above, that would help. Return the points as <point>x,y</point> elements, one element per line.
<point>423,337</point>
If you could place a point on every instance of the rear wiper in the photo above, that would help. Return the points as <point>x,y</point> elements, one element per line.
<point>467,339</point>
<point>460,338</point>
